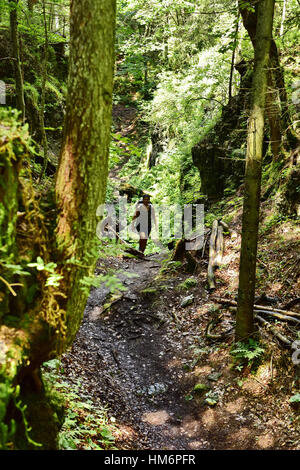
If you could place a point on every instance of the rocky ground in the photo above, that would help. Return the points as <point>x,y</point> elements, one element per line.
<point>146,355</point>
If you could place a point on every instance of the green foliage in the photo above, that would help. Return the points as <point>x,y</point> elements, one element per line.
<point>271,221</point>
<point>169,266</point>
<point>110,280</point>
<point>85,426</point>
<point>200,388</point>
<point>120,148</point>
<point>7,430</point>
<point>246,354</point>
<point>187,284</point>
<point>171,66</point>
<point>31,92</point>
<point>8,426</point>
<point>53,278</point>
<point>22,409</point>
<point>211,398</point>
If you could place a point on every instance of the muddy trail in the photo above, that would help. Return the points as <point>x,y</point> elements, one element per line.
<point>131,358</point>
<point>143,353</point>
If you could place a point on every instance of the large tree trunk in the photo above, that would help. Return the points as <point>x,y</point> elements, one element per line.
<point>48,322</point>
<point>43,93</point>
<point>246,293</point>
<point>83,167</point>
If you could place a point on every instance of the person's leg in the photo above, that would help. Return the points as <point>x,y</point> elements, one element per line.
<point>143,243</point>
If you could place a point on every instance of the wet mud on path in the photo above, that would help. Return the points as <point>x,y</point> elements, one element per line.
<point>128,357</point>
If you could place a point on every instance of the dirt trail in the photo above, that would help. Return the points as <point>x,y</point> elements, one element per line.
<point>130,360</point>
<point>138,357</point>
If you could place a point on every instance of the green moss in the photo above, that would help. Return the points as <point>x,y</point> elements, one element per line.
<point>7,428</point>
<point>53,91</point>
<point>14,144</point>
<point>187,284</point>
<point>31,92</point>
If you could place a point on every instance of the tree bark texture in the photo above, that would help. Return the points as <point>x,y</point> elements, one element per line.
<point>83,166</point>
<point>53,313</point>
<point>43,93</point>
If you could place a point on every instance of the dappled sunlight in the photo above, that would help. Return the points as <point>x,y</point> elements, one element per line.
<point>157,281</point>
<point>253,387</point>
<point>240,438</point>
<point>265,441</point>
<point>156,418</point>
<point>197,445</point>
<point>190,426</point>
<point>235,406</point>
<point>95,314</point>
<point>265,373</point>
<point>202,370</point>
<point>209,418</point>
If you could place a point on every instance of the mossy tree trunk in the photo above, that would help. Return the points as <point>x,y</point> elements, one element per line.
<point>13,17</point>
<point>277,108</point>
<point>246,292</point>
<point>43,93</point>
<point>83,166</point>
<point>54,312</point>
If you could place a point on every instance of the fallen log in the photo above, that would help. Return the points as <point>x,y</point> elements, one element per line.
<point>264,308</point>
<point>278,315</point>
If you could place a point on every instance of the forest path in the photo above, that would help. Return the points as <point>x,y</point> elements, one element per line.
<point>130,356</point>
<point>143,356</point>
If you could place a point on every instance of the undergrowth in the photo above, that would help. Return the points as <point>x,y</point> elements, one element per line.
<point>85,425</point>
<point>246,354</point>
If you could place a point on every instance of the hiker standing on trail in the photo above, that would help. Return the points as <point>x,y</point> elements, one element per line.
<point>146,216</point>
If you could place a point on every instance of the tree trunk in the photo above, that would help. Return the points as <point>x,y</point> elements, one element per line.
<point>283,18</point>
<point>233,56</point>
<point>83,166</point>
<point>53,313</point>
<point>13,17</point>
<point>42,107</point>
<point>277,105</point>
<point>246,292</point>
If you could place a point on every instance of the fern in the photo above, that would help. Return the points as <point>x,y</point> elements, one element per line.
<point>246,353</point>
